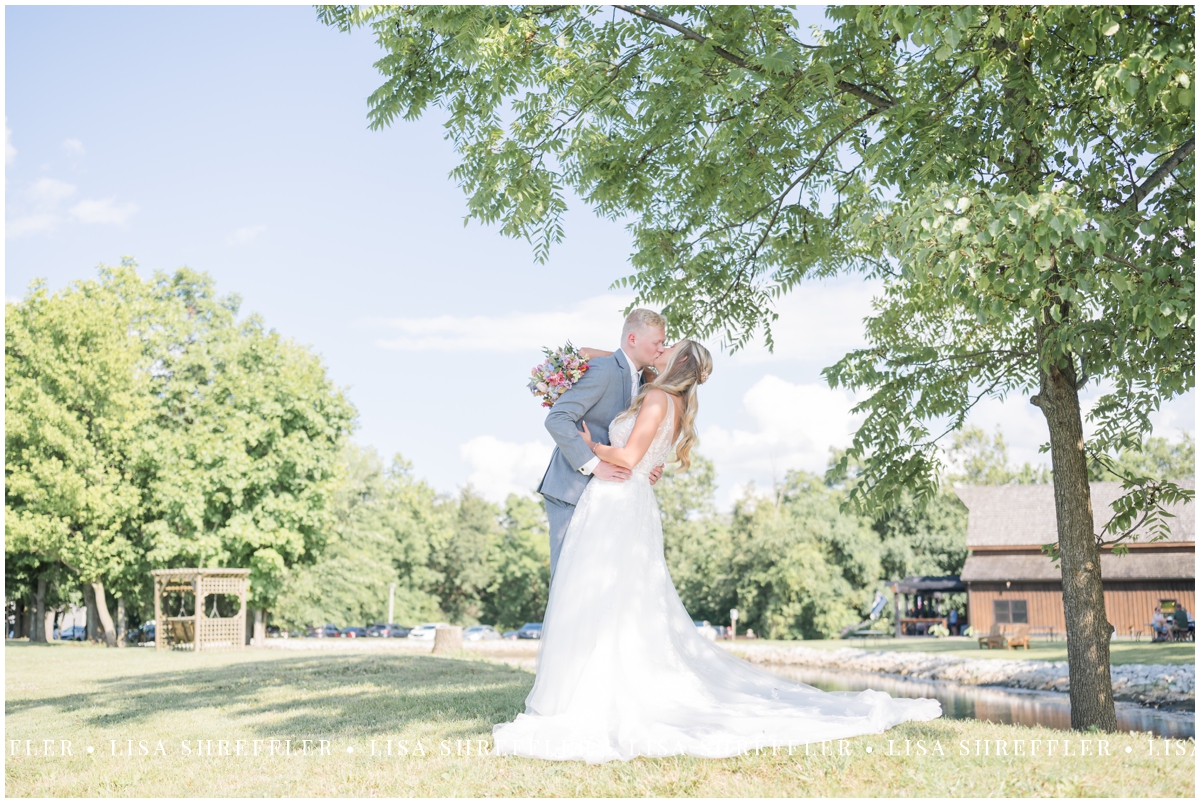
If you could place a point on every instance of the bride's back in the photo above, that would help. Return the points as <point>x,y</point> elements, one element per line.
<point>660,448</point>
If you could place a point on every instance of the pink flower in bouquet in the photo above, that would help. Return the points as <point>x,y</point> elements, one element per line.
<point>558,374</point>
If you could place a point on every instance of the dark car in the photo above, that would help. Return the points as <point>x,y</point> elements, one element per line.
<point>143,635</point>
<point>353,632</point>
<point>79,633</point>
<point>389,630</point>
<point>528,630</point>
<point>328,630</point>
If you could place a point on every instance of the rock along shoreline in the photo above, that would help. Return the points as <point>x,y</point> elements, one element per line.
<point>1156,685</point>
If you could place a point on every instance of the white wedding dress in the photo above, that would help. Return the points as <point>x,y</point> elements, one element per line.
<point>622,670</point>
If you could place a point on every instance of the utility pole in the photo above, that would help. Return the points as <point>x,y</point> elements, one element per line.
<point>391,604</point>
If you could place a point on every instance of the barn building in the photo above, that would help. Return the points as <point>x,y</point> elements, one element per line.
<point>1009,580</point>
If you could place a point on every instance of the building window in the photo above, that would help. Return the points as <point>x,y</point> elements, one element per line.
<point>1010,611</point>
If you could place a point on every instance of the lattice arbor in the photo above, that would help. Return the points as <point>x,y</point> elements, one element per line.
<point>200,609</point>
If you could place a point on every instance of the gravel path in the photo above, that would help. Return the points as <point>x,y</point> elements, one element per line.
<point>1153,684</point>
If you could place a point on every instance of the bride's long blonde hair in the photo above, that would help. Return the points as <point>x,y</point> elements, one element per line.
<point>689,366</point>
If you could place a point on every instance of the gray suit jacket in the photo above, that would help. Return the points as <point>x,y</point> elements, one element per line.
<point>600,395</point>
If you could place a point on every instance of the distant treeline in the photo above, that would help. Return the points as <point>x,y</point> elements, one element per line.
<point>147,427</point>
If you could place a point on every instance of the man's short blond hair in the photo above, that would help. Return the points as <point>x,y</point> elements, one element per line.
<point>642,319</point>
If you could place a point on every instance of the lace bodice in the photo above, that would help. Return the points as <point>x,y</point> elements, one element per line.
<point>660,447</point>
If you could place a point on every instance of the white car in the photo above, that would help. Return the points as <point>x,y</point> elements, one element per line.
<point>425,632</point>
<point>706,630</point>
<point>480,633</point>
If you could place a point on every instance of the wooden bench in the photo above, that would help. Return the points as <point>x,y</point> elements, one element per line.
<point>1006,636</point>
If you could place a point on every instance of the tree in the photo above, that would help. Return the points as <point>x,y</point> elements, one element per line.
<point>147,427</point>
<point>460,557</point>
<point>1157,458</point>
<point>804,567</point>
<point>520,566</point>
<point>76,402</point>
<point>379,537</point>
<point>976,459</point>
<point>242,461</point>
<point>1005,170</point>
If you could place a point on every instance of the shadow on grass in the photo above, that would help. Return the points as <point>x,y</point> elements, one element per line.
<point>363,694</point>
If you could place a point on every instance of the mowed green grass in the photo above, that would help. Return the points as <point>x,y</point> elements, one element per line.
<point>1121,652</point>
<point>103,698</point>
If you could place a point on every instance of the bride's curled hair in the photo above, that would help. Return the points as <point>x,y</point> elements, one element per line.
<point>689,366</point>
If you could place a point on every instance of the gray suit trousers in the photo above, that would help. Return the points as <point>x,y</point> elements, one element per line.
<point>559,513</point>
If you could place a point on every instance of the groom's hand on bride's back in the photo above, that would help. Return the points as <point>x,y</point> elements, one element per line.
<point>611,473</point>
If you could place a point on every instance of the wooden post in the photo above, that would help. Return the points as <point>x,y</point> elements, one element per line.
<point>896,608</point>
<point>158,617</point>
<point>196,589</point>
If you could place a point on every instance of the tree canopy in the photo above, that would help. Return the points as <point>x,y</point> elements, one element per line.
<point>148,427</point>
<point>1019,177</point>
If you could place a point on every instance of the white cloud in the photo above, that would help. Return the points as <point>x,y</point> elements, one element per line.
<point>30,224</point>
<point>50,191</point>
<point>794,426</point>
<point>593,322</point>
<point>246,234</point>
<point>818,321</point>
<point>105,210</point>
<point>10,153</point>
<point>73,148</point>
<point>499,468</point>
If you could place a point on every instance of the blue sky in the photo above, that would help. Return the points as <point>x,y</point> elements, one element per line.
<point>234,140</point>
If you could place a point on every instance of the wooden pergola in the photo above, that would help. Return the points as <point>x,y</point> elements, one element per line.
<point>194,630</point>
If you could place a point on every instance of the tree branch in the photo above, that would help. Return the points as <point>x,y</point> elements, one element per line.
<point>647,13</point>
<point>1157,177</point>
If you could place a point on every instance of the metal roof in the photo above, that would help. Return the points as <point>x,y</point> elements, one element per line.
<point>1023,515</point>
<point>920,585</point>
<point>990,567</point>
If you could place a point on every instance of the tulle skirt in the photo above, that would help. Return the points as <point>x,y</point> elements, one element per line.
<point>623,672</point>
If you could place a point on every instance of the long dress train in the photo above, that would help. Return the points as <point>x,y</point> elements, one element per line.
<point>622,670</point>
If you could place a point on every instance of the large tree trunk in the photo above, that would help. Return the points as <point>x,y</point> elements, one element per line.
<point>1088,630</point>
<point>26,622</point>
<point>93,616</point>
<point>106,622</point>
<point>260,628</point>
<point>38,633</point>
<point>48,622</point>
<point>121,622</point>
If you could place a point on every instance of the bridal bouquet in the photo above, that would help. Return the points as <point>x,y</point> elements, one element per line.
<point>561,370</point>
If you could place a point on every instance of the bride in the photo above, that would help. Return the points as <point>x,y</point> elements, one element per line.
<point>622,670</point>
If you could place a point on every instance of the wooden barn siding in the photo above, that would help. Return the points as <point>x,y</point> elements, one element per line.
<point>1128,604</point>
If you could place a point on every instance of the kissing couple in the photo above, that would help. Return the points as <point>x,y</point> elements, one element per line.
<point>622,670</point>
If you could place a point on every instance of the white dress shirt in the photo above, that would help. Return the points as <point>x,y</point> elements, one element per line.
<point>590,466</point>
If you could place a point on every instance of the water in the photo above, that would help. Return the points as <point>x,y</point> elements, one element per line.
<point>992,703</point>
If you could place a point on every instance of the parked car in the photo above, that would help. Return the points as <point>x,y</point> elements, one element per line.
<point>528,630</point>
<point>706,630</point>
<point>275,631</point>
<point>353,632</point>
<point>389,630</point>
<point>138,637</point>
<point>480,633</point>
<point>425,632</point>
<point>328,630</point>
<point>79,633</point>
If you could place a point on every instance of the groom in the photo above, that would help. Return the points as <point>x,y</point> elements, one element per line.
<point>600,395</point>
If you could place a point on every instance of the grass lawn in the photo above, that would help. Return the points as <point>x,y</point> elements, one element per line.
<point>103,698</point>
<point>1122,652</point>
